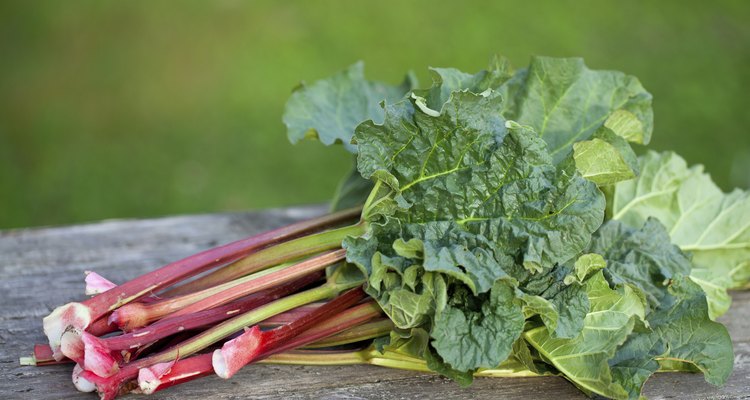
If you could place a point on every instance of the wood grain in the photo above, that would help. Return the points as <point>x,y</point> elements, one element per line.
<point>42,268</point>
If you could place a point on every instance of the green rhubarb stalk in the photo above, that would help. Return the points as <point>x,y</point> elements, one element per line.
<point>281,253</point>
<point>137,315</point>
<point>374,357</point>
<point>367,331</point>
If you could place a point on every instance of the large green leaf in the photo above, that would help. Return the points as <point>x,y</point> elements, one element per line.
<point>482,316</point>
<point>711,225</point>
<point>462,194</point>
<point>566,102</point>
<point>473,332</point>
<point>331,108</point>
<point>492,177</point>
<point>690,335</point>
<point>681,335</point>
<point>584,359</point>
<point>644,258</point>
<point>678,327</point>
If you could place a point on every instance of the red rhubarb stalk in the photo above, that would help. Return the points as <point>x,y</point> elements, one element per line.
<point>42,356</point>
<point>291,315</point>
<point>42,353</point>
<point>254,343</point>
<point>109,387</point>
<point>293,250</point>
<point>184,370</point>
<point>165,375</point>
<point>101,327</point>
<point>80,315</point>
<point>137,315</point>
<point>316,263</point>
<point>174,324</point>
<point>337,324</point>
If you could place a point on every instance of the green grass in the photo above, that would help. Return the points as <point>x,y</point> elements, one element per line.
<point>141,108</point>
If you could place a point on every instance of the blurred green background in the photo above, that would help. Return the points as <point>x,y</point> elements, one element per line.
<point>147,108</point>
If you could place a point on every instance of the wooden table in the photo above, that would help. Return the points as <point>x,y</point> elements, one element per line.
<point>42,268</point>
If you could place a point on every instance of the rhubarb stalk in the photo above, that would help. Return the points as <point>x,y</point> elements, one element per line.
<point>374,357</point>
<point>78,316</point>
<point>184,370</point>
<point>174,324</point>
<point>137,315</point>
<point>255,344</point>
<point>316,263</point>
<point>109,387</point>
<point>289,251</point>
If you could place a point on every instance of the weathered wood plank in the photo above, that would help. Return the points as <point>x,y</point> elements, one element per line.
<point>42,268</point>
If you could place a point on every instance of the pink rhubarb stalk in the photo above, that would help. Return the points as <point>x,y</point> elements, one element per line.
<point>109,387</point>
<point>137,315</point>
<point>255,344</point>
<point>78,316</point>
<point>291,315</point>
<point>167,375</point>
<point>175,324</point>
<point>316,263</point>
<point>294,250</point>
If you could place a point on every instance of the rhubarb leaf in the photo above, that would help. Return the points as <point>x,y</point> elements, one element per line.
<point>700,218</point>
<point>644,258</point>
<point>566,102</point>
<point>680,334</point>
<point>414,343</point>
<point>605,159</point>
<point>330,109</point>
<point>677,325</point>
<point>562,306</point>
<point>407,293</point>
<point>473,332</point>
<point>352,191</point>
<point>584,267</point>
<point>690,335</point>
<point>492,177</point>
<point>584,359</point>
<point>462,196</point>
<point>635,360</point>
<point>445,81</point>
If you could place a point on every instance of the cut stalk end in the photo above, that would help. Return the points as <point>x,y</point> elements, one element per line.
<point>237,353</point>
<point>149,379</point>
<point>108,388</point>
<point>71,346</point>
<point>81,383</point>
<point>97,357</point>
<point>27,361</point>
<point>69,316</point>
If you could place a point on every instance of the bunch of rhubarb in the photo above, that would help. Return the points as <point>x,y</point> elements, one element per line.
<point>494,224</point>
